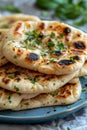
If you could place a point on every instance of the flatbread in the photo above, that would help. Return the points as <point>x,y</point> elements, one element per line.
<point>7,21</point>
<point>9,99</point>
<point>83,71</point>
<point>67,94</point>
<point>27,81</point>
<point>48,47</point>
<point>3,60</point>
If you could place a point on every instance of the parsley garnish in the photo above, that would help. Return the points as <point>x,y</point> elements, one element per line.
<point>72,58</point>
<point>61,35</point>
<point>11,76</point>
<point>15,57</point>
<point>51,60</point>
<point>51,44</point>
<point>34,80</point>
<point>29,47</point>
<point>16,88</point>
<point>52,35</point>
<point>60,46</point>
<point>4,26</point>
<point>34,39</point>
<point>9,97</point>
<point>26,103</point>
<point>55,93</point>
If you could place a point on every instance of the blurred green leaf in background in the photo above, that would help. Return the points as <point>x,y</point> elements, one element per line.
<point>67,9</point>
<point>10,8</point>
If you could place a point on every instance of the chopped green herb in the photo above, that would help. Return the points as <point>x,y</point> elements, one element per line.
<point>29,47</point>
<point>51,60</point>
<point>11,76</point>
<point>51,44</point>
<point>52,35</point>
<point>61,35</point>
<point>55,93</point>
<point>72,58</point>
<point>59,47</point>
<point>34,80</point>
<point>19,94</point>
<point>55,101</point>
<point>9,97</point>
<point>16,88</point>
<point>26,103</point>
<point>53,83</point>
<point>31,35</point>
<point>15,57</point>
<point>62,80</point>
<point>4,26</point>
<point>43,54</point>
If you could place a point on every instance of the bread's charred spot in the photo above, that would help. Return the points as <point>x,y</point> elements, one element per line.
<point>32,57</point>
<point>48,77</point>
<point>65,91</point>
<point>66,62</point>
<point>18,26</point>
<point>79,45</point>
<point>76,58</point>
<point>3,57</point>
<point>42,26</point>
<point>6,80</point>
<point>13,48</point>
<point>76,52</point>
<point>41,35</point>
<point>50,26</point>
<point>67,39</point>
<point>86,62</point>
<point>78,35</point>
<point>57,53</point>
<point>67,30</point>
<point>1,73</point>
<point>19,52</point>
<point>16,73</point>
<point>17,79</point>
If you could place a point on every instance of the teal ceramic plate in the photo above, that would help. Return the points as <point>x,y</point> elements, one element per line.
<point>45,114</point>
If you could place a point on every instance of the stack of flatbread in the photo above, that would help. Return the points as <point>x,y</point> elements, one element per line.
<point>40,62</point>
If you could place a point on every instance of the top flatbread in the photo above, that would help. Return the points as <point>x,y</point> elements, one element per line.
<point>47,47</point>
<point>5,23</point>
